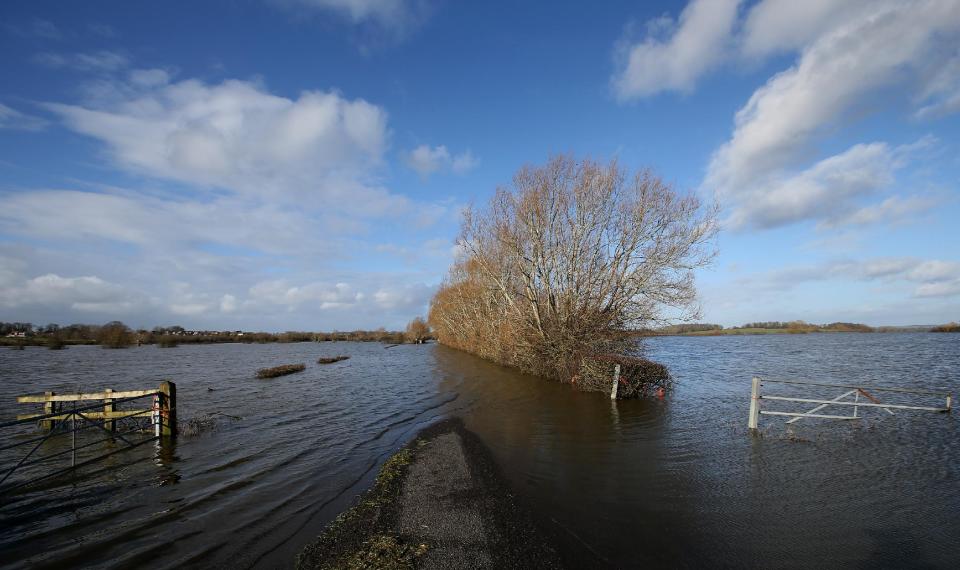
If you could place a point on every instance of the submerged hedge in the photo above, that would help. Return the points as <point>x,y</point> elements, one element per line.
<point>280,370</point>
<point>638,376</point>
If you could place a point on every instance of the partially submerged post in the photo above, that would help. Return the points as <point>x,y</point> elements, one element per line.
<point>754,420</point>
<point>47,409</point>
<point>108,412</point>
<point>616,382</point>
<point>166,420</point>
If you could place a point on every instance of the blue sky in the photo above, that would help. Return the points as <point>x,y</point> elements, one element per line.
<point>301,164</point>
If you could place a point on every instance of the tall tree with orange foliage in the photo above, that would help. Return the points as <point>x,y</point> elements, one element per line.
<point>567,260</point>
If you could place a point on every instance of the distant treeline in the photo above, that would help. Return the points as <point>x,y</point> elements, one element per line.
<point>789,327</point>
<point>689,328</point>
<point>809,327</point>
<point>116,334</point>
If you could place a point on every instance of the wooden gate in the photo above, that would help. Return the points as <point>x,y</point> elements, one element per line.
<point>63,417</point>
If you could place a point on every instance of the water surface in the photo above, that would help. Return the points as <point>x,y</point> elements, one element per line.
<point>675,482</point>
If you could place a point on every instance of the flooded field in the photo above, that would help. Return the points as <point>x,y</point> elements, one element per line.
<point>675,482</point>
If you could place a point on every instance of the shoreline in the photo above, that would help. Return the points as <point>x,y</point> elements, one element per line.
<point>438,502</point>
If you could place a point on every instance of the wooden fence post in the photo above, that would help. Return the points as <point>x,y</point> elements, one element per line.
<point>107,409</point>
<point>754,404</point>
<point>168,409</point>
<point>616,382</point>
<point>47,409</point>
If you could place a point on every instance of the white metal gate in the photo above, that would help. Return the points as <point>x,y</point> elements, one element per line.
<point>869,401</point>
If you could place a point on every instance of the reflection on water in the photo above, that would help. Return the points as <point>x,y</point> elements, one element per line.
<point>672,482</point>
<point>249,493</point>
<point>679,482</point>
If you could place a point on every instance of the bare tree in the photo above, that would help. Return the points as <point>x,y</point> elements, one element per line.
<point>115,335</point>
<point>417,331</point>
<point>567,261</point>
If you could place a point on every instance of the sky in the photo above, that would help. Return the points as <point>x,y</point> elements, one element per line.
<point>302,164</point>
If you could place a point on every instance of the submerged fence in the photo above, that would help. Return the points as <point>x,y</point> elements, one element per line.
<point>123,428</point>
<point>757,396</point>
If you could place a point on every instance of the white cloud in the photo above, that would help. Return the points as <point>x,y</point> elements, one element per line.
<point>189,308</point>
<point>427,160</point>
<point>263,185</point>
<point>183,300</point>
<point>438,248</point>
<point>940,289</point>
<point>240,185</point>
<point>891,211</point>
<point>15,120</point>
<point>102,30</point>
<point>412,298</point>
<point>776,129</point>
<point>934,271</point>
<point>927,277</point>
<point>37,28</point>
<point>464,162</point>
<point>830,191</point>
<point>337,296</point>
<point>321,144</point>
<point>774,26</point>
<point>170,223</point>
<point>398,297</point>
<point>321,295</point>
<point>86,293</point>
<point>673,56</point>
<point>781,118</point>
<point>169,284</point>
<point>941,93</point>
<point>228,303</point>
<point>362,10</point>
<point>693,46</point>
<point>385,20</point>
<point>146,78</point>
<point>100,61</point>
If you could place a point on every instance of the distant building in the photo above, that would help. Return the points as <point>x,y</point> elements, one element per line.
<point>17,334</point>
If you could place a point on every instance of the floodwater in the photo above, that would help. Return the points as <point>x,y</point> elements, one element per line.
<point>677,482</point>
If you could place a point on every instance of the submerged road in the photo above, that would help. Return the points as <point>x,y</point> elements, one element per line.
<point>447,508</point>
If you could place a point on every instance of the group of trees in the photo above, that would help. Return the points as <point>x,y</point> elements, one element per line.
<point>803,326</point>
<point>688,328</point>
<point>566,262</point>
<point>76,333</point>
<point>116,334</point>
<point>418,331</point>
<point>8,328</point>
<point>773,325</point>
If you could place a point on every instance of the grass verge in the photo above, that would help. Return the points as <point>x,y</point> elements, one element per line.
<point>363,537</point>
